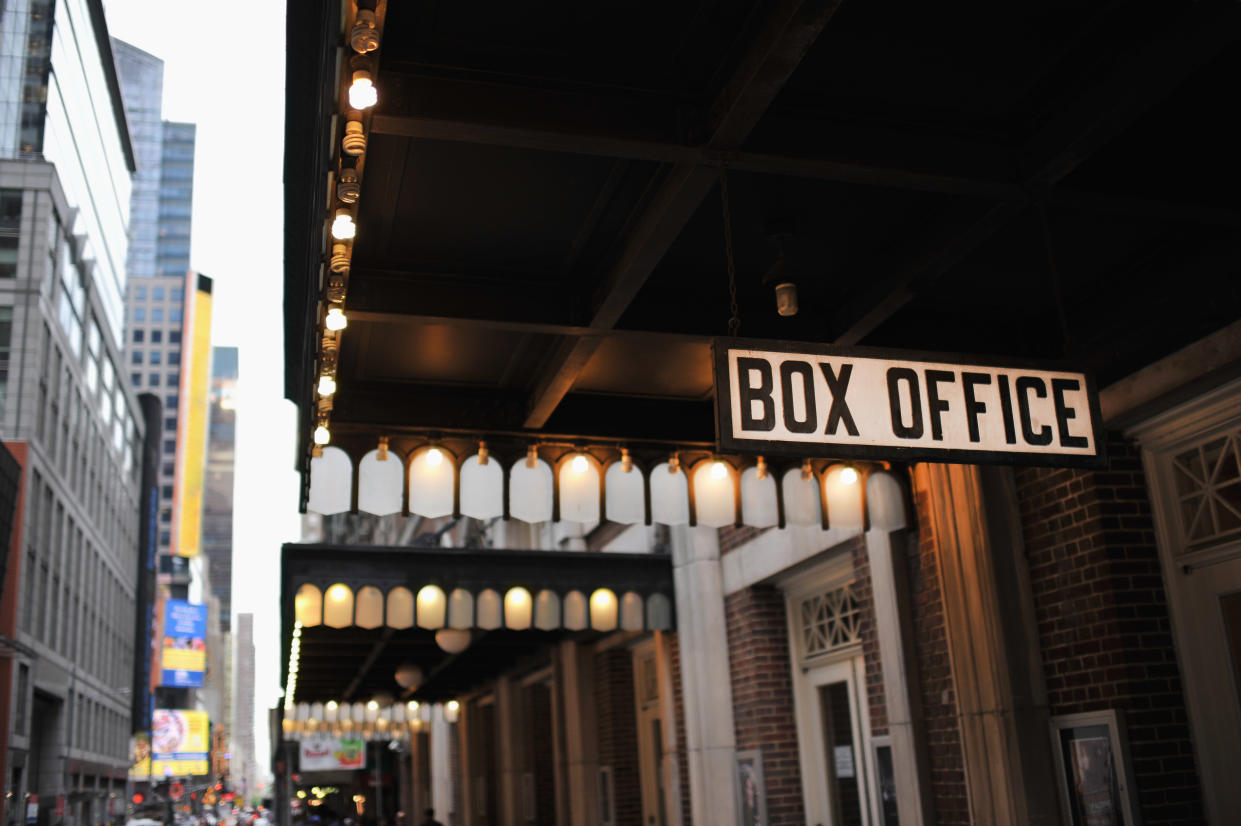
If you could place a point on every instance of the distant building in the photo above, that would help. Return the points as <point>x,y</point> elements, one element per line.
<point>159,259</point>
<point>66,162</point>
<point>245,770</point>
<point>217,530</point>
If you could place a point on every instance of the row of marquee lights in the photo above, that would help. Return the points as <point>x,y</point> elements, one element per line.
<point>364,38</point>
<point>578,487</point>
<point>451,614</point>
<point>375,718</point>
<point>372,720</point>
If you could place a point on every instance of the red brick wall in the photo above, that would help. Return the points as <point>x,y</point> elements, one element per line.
<point>934,678</point>
<point>618,732</point>
<point>1103,620</point>
<point>870,640</point>
<point>758,651</point>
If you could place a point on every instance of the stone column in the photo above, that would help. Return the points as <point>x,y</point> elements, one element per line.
<point>992,644</point>
<point>705,676</point>
<point>581,746</point>
<point>441,771</point>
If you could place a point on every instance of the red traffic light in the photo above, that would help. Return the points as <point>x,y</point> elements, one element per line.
<point>137,798</point>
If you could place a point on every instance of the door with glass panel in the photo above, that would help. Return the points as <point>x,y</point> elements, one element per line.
<point>828,694</point>
<point>836,732</point>
<point>650,733</point>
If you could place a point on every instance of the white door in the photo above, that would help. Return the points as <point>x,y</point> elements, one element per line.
<point>650,733</point>
<point>836,732</point>
<point>1192,456</point>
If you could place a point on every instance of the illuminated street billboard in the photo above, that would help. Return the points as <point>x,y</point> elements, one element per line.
<point>192,421</point>
<point>183,656</point>
<point>179,746</point>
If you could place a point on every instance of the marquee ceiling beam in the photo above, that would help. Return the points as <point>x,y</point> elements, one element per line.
<point>1126,90</point>
<point>783,40</point>
<point>556,121</point>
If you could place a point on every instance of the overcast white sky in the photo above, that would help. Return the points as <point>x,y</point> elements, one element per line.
<point>224,70</point>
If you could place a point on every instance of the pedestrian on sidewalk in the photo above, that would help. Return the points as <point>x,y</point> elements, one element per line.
<point>430,820</point>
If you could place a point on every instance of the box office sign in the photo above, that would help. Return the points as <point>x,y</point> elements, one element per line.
<point>813,400</point>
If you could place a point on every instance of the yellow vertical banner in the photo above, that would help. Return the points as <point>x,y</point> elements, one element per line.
<point>192,418</point>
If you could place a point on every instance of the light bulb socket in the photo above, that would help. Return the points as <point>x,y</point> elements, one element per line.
<point>786,299</point>
<point>382,450</point>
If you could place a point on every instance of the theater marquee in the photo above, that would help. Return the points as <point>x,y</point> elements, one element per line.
<point>813,400</point>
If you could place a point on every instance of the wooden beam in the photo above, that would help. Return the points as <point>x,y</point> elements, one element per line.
<point>784,39</point>
<point>1126,90</point>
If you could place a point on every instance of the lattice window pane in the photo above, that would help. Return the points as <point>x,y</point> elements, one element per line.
<point>830,620</point>
<point>1208,486</point>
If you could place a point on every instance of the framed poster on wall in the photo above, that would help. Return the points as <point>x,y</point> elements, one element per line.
<point>751,790</point>
<point>1093,766</point>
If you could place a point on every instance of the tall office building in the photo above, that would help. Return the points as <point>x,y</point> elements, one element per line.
<point>65,166</point>
<point>159,259</point>
<point>245,770</point>
<point>217,529</point>
<point>176,198</point>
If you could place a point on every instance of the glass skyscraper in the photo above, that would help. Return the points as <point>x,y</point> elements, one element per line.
<point>159,260</point>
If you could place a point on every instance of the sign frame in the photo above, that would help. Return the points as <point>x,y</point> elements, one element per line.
<point>725,443</point>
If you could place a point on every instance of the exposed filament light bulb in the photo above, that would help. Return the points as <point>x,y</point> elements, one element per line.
<point>848,476</point>
<point>719,470</point>
<point>362,92</point>
<point>580,464</point>
<point>335,319</point>
<point>435,456</point>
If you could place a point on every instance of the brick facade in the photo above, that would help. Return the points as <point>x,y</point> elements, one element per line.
<point>935,684</point>
<point>758,650</point>
<point>1103,620</point>
<point>618,732</point>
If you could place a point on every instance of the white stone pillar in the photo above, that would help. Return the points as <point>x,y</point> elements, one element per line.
<point>705,675</point>
<point>581,747</point>
<point>441,770</point>
<point>894,630</point>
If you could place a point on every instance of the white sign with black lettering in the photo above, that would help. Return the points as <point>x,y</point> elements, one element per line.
<point>871,404</point>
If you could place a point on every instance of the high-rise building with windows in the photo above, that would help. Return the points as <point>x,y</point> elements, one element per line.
<point>176,198</point>
<point>66,162</point>
<point>159,259</point>
<point>217,528</point>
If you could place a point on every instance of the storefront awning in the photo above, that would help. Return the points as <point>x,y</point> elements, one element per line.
<point>352,616</point>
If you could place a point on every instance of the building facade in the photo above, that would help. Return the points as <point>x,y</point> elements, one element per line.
<point>65,170</point>
<point>244,771</point>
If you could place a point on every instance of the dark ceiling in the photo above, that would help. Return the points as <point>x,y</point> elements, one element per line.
<point>541,242</point>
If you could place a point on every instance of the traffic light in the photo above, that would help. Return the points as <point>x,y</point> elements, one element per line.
<point>137,798</point>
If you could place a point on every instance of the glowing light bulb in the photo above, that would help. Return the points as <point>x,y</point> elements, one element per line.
<point>848,476</point>
<point>322,435</point>
<point>362,92</point>
<point>343,227</point>
<point>719,470</point>
<point>372,705</point>
<point>335,319</point>
<point>338,593</point>
<point>580,464</point>
<point>453,705</point>
<point>518,596</point>
<point>327,385</point>
<point>435,456</point>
